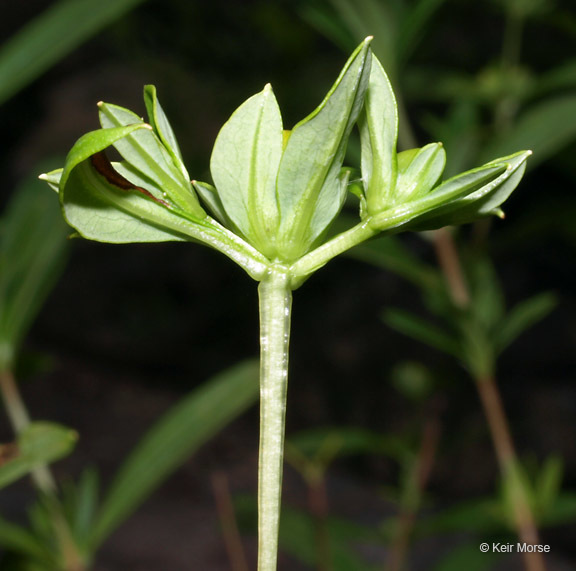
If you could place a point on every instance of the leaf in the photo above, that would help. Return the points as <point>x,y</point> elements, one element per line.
<point>244,166</point>
<point>20,540</point>
<point>547,486</point>
<point>487,306</point>
<point>298,537</point>
<point>162,127</point>
<point>523,316</point>
<point>50,36</point>
<point>468,557</point>
<point>390,253</point>
<point>145,154</point>
<point>101,211</point>
<point>461,199</point>
<point>327,443</point>
<point>32,255</point>
<point>423,331</point>
<point>545,128</point>
<point>310,187</point>
<point>378,135</point>
<point>39,444</point>
<point>419,170</point>
<point>173,439</point>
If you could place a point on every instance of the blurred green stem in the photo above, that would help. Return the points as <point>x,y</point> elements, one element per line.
<point>41,475</point>
<point>275,297</point>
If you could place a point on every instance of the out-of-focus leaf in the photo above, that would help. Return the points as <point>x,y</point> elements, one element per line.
<point>80,502</point>
<point>487,305</point>
<point>173,439</point>
<point>522,316</point>
<point>482,516</point>
<point>415,18</point>
<point>423,331</point>
<point>51,35</point>
<point>39,444</point>
<point>32,255</point>
<point>327,443</point>
<point>390,253</point>
<point>468,557</point>
<point>544,128</point>
<point>20,540</point>
<point>547,486</point>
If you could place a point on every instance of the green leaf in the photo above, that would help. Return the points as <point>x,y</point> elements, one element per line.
<point>51,35</point>
<point>298,537</point>
<point>39,444</point>
<point>419,170</point>
<point>173,439</point>
<point>327,443</point>
<point>152,163</point>
<point>547,486</point>
<point>378,134</point>
<point>461,199</point>
<point>311,189</point>
<point>423,331</point>
<point>545,128</point>
<point>20,540</point>
<point>162,127</point>
<point>390,253</point>
<point>468,557</point>
<point>523,316</point>
<point>487,306</point>
<point>244,166</point>
<point>32,255</point>
<point>101,211</point>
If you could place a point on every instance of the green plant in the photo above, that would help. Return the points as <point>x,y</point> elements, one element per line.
<point>489,111</point>
<point>276,193</point>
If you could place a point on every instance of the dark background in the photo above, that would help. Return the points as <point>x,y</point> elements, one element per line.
<point>131,327</point>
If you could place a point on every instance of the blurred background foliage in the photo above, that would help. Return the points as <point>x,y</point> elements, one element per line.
<point>130,328</point>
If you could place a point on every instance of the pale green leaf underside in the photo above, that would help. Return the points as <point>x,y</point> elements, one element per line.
<point>378,134</point>
<point>146,154</point>
<point>102,212</point>
<point>244,166</point>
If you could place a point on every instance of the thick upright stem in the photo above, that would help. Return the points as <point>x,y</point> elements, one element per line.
<point>275,297</point>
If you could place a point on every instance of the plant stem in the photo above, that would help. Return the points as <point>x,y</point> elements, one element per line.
<point>41,475</point>
<point>507,458</point>
<point>275,297</point>
<point>230,533</point>
<point>493,409</point>
<point>418,474</point>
